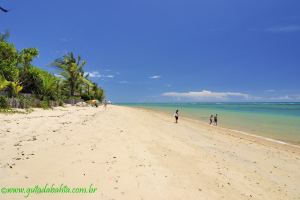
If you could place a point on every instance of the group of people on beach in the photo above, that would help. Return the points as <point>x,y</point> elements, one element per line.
<point>213,120</point>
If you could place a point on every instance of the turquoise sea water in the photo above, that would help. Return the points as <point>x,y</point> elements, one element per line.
<point>280,121</point>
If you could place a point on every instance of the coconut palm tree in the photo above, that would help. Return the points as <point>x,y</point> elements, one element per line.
<point>48,86</point>
<point>71,69</point>
<point>27,55</point>
<point>98,92</point>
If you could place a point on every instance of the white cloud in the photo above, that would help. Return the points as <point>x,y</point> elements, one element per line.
<point>207,95</point>
<point>123,82</point>
<point>155,77</point>
<point>58,75</point>
<point>96,74</point>
<point>286,98</point>
<point>287,29</point>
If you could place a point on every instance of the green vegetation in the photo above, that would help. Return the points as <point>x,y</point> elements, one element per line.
<point>23,84</point>
<point>4,103</point>
<point>75,82</point>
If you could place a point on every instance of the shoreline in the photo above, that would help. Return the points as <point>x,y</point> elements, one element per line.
<point>247,135</point>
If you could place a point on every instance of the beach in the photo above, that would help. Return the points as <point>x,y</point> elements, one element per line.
<point>276,120</point>
<point>134,153</point>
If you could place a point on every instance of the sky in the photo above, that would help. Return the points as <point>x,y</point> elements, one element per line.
<point>169,50</point>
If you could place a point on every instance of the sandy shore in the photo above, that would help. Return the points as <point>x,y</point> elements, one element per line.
<point>129,153</point>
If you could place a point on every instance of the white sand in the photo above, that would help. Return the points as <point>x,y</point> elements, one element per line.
<point>130,153</point>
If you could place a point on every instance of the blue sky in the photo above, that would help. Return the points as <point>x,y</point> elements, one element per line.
<point>169,50</point>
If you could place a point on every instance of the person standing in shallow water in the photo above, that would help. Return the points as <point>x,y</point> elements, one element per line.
<point>176,115</point>
<point>211,119</point>
<point>216,119</point>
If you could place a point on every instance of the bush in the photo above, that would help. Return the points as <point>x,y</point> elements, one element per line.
<point>86,97</point>
<point>40,82</point>
<point>26,102</point>
<point>8,61</point>
<point>45,104</point>
<point>4,103</point>
<point>60,102</point>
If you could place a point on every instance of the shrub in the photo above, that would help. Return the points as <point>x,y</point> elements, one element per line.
<point>40,82</point>
<point>8,61</point>
<point>86,97</point>
<point>4,103</point>
<point>45,104</point>
<point>26,102</point>
<point>60,102</point>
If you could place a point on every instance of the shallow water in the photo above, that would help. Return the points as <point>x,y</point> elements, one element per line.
<point>280,121</point>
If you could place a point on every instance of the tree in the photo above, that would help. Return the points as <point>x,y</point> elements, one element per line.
<point>8,61</point>
<point>98,92</point>
<point>72,71</point>
<point>27,55</point>
<point>41,83</point>
<point>15,88</point>
<point>48,86</point>
<point>3,83</point>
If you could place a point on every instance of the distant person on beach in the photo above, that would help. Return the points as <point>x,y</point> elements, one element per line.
<point>211,119</point>
<point>105,104</point>
<point>216,119</point>
<point>176,115</point>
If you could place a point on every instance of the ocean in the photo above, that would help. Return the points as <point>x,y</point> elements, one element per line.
<point>279,121</point>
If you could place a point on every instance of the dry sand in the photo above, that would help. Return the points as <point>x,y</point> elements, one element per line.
<point>130,153</point>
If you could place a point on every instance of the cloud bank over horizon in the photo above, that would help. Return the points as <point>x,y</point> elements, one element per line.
<point>207,96</point>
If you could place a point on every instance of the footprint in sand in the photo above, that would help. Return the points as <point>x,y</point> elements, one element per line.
<point>63,123</point>
<point>32,139</point>
<point>17,144</point>
<point>10,165</point>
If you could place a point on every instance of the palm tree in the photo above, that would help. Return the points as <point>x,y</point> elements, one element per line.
<point>27,55</point>
<point>48,86</point>
<point>71,69</point>
<point>98,92</point>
